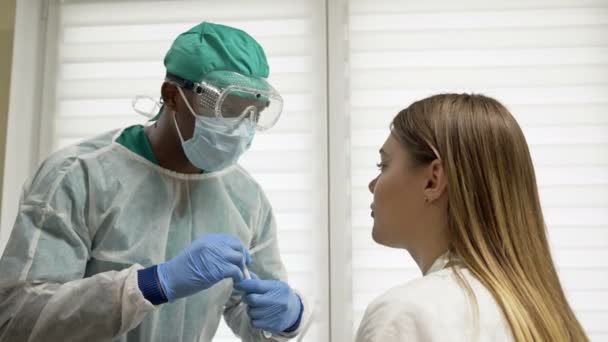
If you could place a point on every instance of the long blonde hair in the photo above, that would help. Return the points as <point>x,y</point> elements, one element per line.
<point>496,225</point>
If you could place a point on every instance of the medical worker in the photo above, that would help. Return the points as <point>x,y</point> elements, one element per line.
<point>142,234</point>
<point>457,190</point>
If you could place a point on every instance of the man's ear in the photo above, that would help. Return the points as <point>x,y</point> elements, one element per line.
<point>169,93</point>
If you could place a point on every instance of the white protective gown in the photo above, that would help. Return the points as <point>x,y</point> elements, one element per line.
<point>97,212</point>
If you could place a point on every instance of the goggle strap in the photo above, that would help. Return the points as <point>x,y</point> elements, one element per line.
<point>181,81</point>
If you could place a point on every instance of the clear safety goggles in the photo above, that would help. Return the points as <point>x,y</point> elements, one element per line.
<point>234,97</point>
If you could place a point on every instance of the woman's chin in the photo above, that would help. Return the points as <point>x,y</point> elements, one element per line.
<point>383,238</point>
<point>378,236</point>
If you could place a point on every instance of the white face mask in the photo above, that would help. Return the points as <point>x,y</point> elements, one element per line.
<point>215,144</point>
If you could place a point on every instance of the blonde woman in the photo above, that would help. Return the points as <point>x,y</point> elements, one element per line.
<point>457,190</point>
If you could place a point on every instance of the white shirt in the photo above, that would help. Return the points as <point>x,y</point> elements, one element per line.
<point>434,308</point>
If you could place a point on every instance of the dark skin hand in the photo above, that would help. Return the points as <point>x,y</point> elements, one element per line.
<point>163,134</point>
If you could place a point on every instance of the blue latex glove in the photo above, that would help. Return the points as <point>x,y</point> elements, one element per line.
<point>273,305</point>
<point>208,260</point>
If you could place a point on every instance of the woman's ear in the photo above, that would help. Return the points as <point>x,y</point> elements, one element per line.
<point>436,184</point>
<point>169,93</point>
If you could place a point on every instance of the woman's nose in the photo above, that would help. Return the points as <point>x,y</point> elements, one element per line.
<point>372,185</point>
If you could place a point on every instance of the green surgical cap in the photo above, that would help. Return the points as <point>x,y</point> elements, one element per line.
<point>208,47</point>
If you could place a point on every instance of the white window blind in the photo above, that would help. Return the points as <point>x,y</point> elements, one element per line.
<point>102,53</point>
<point>548,62</point>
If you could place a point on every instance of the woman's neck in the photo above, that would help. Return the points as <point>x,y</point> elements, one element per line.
<point>430,248</point>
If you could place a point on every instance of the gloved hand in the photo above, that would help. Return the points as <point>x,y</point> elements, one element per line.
<point>273,305</point>
<point>208,260</point>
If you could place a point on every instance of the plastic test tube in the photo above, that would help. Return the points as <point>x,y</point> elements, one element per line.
<point>248,275</point>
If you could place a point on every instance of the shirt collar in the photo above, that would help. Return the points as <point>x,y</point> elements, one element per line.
<point>439,264</point>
